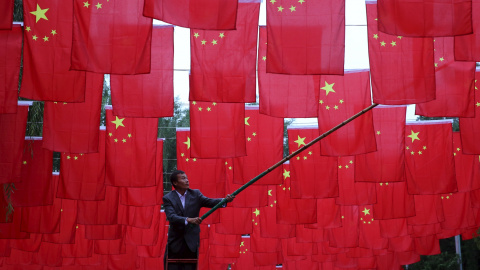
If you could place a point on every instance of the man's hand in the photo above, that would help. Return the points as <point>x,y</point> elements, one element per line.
<point>230,198</point>
<point>195,221</point>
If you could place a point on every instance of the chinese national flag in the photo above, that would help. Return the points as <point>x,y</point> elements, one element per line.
<point>217,130</point>
<point>401,67</point>
<point>236,220</point>
<point>393,201</point>
<point>428,210</point>
<point>351,192</point>
<point>313,176</point>
<point>149,236</point>
<point>427,245</point>
<point>264,148</point>
<point>328,215</point>
<point>425,230</point>
<point>458,211</point>
<point>46,53</point>
<point>307,235</point>
<point>157,250</point>
<point>148,95</point>
<point>269,227</point>
<point>73,127</point>
<point>10,55</point>
<point>369,230</point>
<point>340,98</point>
<point>130,150</point>
<point>11,230</point>
<point>387,164</point>
<point>419,18</point>
<point>12,136</point>
<point>6,14</point>
<point>400,244</point>
<point>391,228</point>
<point>430,166</point>
<point>223,62</point>
<point>111,37</point>
<point>82,247</point>
<point>347,235</point>
<point>110,247</point>
<point>35,186</point>
<point>135,216</point>
<point>454,83</point>
<point>104,232</point>
<point>285,95</point>
<point>200,14</point>
<point>306,37</point>
<point>257,195</point>
<point>467,167</point>
<point>467,47</point>
<point>470,127</point>
<point>68,221</point>
<point>49,255</point>
<point>103,212</point>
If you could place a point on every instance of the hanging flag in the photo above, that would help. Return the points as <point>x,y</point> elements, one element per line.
<point>420,18</point>
<point>6,14</point>
<point>12,136</point>
<point>217,130</point>
<point>104,232</point>
<point>369,236</point>
<point>470,127</point>
<point>306,37</point>
<point>387,164</point>
<point>11,230</point>
<point>467,46</point>
<point>68,221</point>
<point>396,227</point>
<point>122,45</point>
<point>467,167</point>
<point>401,67</point>
<point>82,247</point>
<point>393,201</point>
<point>73,127</point>
<point>148,95</point>
<point>150,236</point>
<point>135,216</point>
<point>10,53</point>
<point>313,176</point>
<point>430,167</point>
<point>223,62</point>
<point>458,211</point>
<point>268,219</point>
<point>328,215</point>
<point>428,210</point>
<point>200,14</point>
<point>427,245</point>
<point>347,235</point>
<point>340,98</point>
<point>46,53</point>
<point>454,83</point>
<point>103,212</point>
<point>350,192</point>
<point>235,220</point>
<point>130,150</point>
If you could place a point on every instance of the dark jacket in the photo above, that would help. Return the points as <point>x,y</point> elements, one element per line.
<point>176,216</point>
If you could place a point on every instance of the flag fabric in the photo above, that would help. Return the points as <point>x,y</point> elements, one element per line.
<point>135,216</point>
<point>369,236</point>
<point>46,53</point>
<point>264,148</point>
<point>148,95</point>
<point>347,235</point>
<point>428,210</point>
<point>313,176</point>
<point>130,150</point>
<point>419,18</point>
<point>306,37</point>
<point>223,62</point>
<point>387,164</point>
<point>97,49</point>
<point>149,236</point>
<point>11,52</point>
<point>466,46</point>
<point>328,215</point>
<point>82,247</point>
<point>236,220</point>
<point>269,227</point>
<point>73,127</point>
<point>393,201</point>
<point>104,232</point>
<point>351,192</point>
<point>467,167</point>
<point>340,98</point>
<point>11,230</point>
<point>396,227</point>
<point>217,130</point>
<point>200,14</point>
<point>454,83</point>
<point>401,67</point>
<point>68,222</point>
<point>6,14</point>
<point>430,166</point>
<point>12,136</point>
<point>470,127</point>
<point>257,195</point>
<point>427,245</point>
<point>103,212</point>
<point>457,210</point>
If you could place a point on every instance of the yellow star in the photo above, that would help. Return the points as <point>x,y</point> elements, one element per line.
<point>436,65</point>
<point>194,102</point>
<point>441,59</point>
<point>214,104</point>
<point>124,140</point>
<point>399,37</point>
<point>286,174</point>
<point>407,148</point>
<point>478,104</point>
<point>129,135</point>
<point>28,29</point>
<point>45,39</point>
<point>413,153</point>
<point>68,157</point>
<point>214,42</point>
<point>200,108</point>
<point>24,162</point>
<point>230,167</point>
<point>335,107</point>
<point>194,159</point>
<point>425,148</point>
<point>378,132</point>
<point>182,154</point>
<point>382,43</point>
<point>393,43</point>
<point>249,139</point>
<point>339,166</point>
<point>242,244</point>
<point>254,134</point>
<point>196,35</point>
<point>320,101</point>
<point>327,107</point>
<point>351,162</point>
<point>298,158</point>
<point>414,136</point>
<point>86,4</point>
<point>187,142</point>
<point>366,211</point>
<point>310,153</point>
<point>301,1</point>
<point>209,109</point>
<point>187,159</point>
<point>54,32</point>
<point>280,8</point>
<point>39,13</point>
<point>270,192</point>
<point>304,158</point>
<point>204,42</point>
<point>292,9</point>
<point>75,157</point>
<point>375,36</point>
<point>118,122</point>
<point>328,88</point>
<point>381,184</point>
<point>221,35</point>
<point>98,5</point>
<point>264,58</point>
<point>34,37</point>
<point>346,167</point>
<point>341,101</point>
<point>300,141</point>
<point>246,121</point>
<point>273,1</point>
<point>110,134</point>
<point>419,152</point>
<point>115,140</point>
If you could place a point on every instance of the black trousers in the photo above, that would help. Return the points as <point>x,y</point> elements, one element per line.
<point>184,253</point>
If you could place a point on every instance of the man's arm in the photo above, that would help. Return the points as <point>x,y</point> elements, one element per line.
<point>172,217</point>
<point>210,203</point>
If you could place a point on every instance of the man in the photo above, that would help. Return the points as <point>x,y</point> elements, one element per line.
<point>182,207</point>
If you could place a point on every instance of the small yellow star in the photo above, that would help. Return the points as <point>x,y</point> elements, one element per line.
<point>346,167</point>
<point>194,159</point>
<point>292,9</point>
<point>246,121</point>
<point>304,158</point>
<point>413,153</point>
<point>214,42</point>
<point>54,32</point>
<point>327,107</point>
<point>221,35</point>
<point>115,140</point>
<point>341,101</point>
<point>264,58</point>
<point>300,141</point>
<point>196,35</point>
<point>34,37</point>
<point>310,153</point>
<point>424,147</point>
<point>28,29</point>
<point>378,132</point>
<point>335,107</point>
<point>270,192</point>
<point>381,184</point>
<point>124,140</point>
<point>75,157</point>
<point>375,36</point>
<point>110,134</point>
<point>399,37</point>
<point>86,4</point>
<point>98,5</point>
<point>45,39</point>
<point>209,109</point>
<point>301,1</point>
<point>442,59</point>
<point>200,108</point>
<point>24,162</point>
<point>241,244</point>
<point>407,148</point>
<point>284,188</point>
<point>68,157</point>
<point>182,154</point>
<point>478,104</point>
<point>214,104</point>
<point>187,159</point>
<point>339,166</point>
<point>436,65</point>
<point>393,43</point>
<point>382,43</point>
<point>298,158</point>
<point>320,101</point>
<point>230,167</point>
<point>254,134</point>
<point>273,1</point>
<point>194,102</point>
<point>351,162</point>
<point>286,174</point>
<point>419,152</point>
<point>129,135</point>
<point>204,42</point>
<point>118,122</point>
<point>280,9</point>
<point>249,139</point>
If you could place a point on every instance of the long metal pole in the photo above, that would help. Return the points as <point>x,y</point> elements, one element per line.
<point>258,177</point>
<point>458,249</point>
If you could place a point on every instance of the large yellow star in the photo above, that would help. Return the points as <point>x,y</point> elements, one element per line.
<point>300,141</point>
<point>328,88</point>
<point>270,192</point>
<point>366,211</point>
<point>39,13</point>
<point>187,142</point>
<point>118,122</point>
<point>287,173</point>
<point>256,212</point>
<point>414,136</point>
<point>246,121</point>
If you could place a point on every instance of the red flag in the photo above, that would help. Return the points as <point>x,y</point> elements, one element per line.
<point>350,192</point>
<point>467,167</point>
<point>149,236</point>
<point>467,46</point>
<point>104,232</point>
<point>35,187</point>
<point>391,228</point>
<point>409,257</point>
<point>68,222</point>
<point>307,235</point>
<point>313,175</point>
<point>99,212</point>
<point>419,18</point>
<point>458,211</point>
<point>268,218</point>
<point>201,14</point>
<point>428,210</point>
<point>31,244</point>
<point>73,127</point>
<point>285,95</point>
<point>46,53</point>
<point>328,215</point>
<point>470,127</point>
<point>425,230</point>
<point>217,130</point>
<point>427,245</point>
<point>264,148</point>
<point>347,235</point>
<point>340,98</point>
<point>136,216</point>
<point>401,244</point>
<point>11,52</point>
<point>49,255</point>
<point>454,83</point>
<point>306,37</point>
<point>6,14</point>
<point>82,248</point>
<point>110,247</point>
<point>401,67</point>
<point>393,201</point>
<point>97,49</point>
<point>369,230</point>
<point>236,220</point>
<point>430,167</point>
<point>82,176</point>
<point>157,250</point>
<point>148,95</point>
<point>223,62</point>
<point>11,230</point>
<point>130,150</point>
<point>12,136</point>
<point>387,164</point>
<point>257,195</point>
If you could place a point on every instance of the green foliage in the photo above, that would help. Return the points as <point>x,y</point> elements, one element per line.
<point>442,261</point>
<point>286,122</point>
<point>18,11</point>
<point>8,190</point>
<point>455,124</point>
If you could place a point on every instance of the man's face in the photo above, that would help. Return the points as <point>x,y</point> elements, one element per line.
<point>182,181</point>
